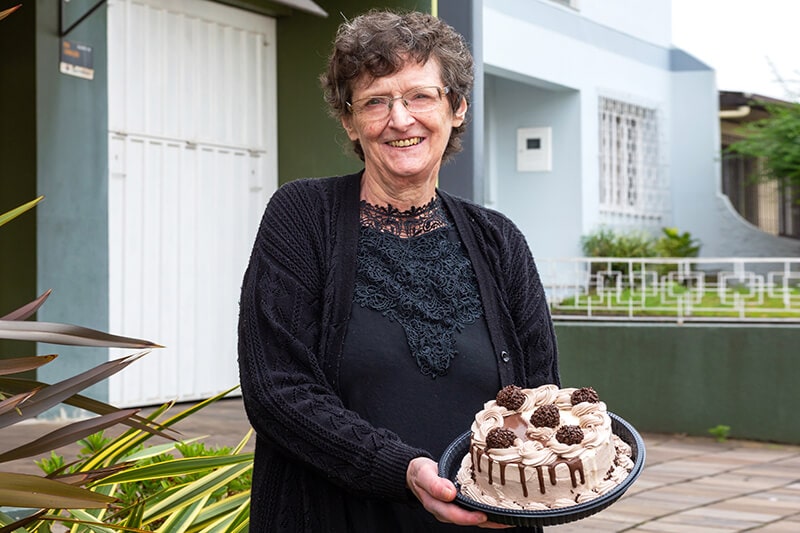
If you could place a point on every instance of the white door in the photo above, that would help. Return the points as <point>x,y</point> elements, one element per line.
<point>192,142</point>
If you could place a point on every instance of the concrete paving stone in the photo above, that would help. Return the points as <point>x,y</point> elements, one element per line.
<point>756,455</point>
<point>771,470</point>
<point>778,527</point>
<point>772,501</point>
<point>668,527</point>
<point>731,483</point>
<point>688,468</point>
<point>739,510</point>
<point>747,483</point>
<point>791,462</point>
<point>593,523</point>
<point>683,494</point>
<point>694,519</point>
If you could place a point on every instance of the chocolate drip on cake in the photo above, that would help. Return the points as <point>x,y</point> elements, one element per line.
<point>574,465</point>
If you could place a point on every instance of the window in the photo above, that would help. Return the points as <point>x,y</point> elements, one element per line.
<point>630,178</point>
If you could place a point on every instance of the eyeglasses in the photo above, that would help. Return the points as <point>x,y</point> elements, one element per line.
<point>418,100</point>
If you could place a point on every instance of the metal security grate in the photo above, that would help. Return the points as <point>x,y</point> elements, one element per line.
<point>632,186</point>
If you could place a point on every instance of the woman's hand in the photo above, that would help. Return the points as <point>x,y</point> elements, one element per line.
<point>436,493</point>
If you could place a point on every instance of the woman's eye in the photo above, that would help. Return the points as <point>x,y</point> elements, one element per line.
<point>374,102</point>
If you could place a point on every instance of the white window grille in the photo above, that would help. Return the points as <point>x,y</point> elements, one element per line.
<point>631,181</point>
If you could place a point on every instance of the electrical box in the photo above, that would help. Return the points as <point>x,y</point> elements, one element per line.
<point>534,149</point>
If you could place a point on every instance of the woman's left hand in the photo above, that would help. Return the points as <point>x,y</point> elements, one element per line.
<point>436,494</point>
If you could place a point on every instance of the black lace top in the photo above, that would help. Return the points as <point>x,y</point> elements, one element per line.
<point>413,274</point>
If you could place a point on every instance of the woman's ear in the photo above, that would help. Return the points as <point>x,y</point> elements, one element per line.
<point>347,124</point>
<point>460,113</point>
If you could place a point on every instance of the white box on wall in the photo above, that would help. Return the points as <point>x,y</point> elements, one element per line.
<point>534,149</point>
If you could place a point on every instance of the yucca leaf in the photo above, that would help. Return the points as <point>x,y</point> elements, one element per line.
<point>52,395</point>
<point>220,516</point>
<point>11,403</point>
<point>17,365</point>
<point>67,334</point>
<point>91,522</point>
<point>194,491</point>
<point>16,526</point>
<point>140,438</point>
<point>86,477</point>
<point>28,309</point>
<point>239,447</point>
<point>66,435</point>
<point>134,518</point>
<point>14,213</point>
<point>121,447</point>
<point>153,451</point>
<point>24,490</point>
<point>177,467</point>
<point>17,385</point>
<point>180,520</point>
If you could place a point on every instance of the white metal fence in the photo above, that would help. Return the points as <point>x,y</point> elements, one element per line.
<point>732,289</point>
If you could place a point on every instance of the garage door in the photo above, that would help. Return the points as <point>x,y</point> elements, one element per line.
<point>192,125</point>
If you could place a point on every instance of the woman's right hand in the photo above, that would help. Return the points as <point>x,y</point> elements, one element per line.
<point>436,495</point>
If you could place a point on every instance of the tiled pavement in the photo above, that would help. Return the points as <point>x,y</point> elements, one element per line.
<point>688,484</point>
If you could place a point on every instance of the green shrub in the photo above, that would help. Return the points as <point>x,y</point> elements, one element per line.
<point>605,242</point>
<point>676,244</point>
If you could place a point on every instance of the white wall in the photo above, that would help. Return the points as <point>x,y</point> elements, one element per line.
<point>557,80</point>
<point>648,20</point>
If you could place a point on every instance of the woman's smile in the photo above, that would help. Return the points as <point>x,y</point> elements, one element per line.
<point>403,143</point>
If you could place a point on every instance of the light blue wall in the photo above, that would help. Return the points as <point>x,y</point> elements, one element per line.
<point>537,201</point>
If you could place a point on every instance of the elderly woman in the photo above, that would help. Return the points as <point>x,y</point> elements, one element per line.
<point>377,312</point>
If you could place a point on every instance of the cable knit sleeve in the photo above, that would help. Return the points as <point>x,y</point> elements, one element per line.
<point>288,399</point>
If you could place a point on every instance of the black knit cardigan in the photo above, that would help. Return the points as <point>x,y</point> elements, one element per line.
<point>311,452</point>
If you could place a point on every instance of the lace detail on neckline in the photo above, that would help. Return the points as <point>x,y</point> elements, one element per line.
<point>410,223</point>
<point>427,285</point>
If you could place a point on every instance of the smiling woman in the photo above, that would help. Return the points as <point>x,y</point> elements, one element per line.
<point>377,311</point>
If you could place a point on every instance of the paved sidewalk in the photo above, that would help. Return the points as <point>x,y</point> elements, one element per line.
<point>688,484</point>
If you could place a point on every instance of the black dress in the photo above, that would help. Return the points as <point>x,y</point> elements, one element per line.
<point>417,357</point>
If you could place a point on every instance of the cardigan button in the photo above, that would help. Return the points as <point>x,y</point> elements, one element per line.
<point>504,356</point>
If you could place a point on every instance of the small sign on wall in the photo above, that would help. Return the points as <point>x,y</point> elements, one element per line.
<point>76,59</point>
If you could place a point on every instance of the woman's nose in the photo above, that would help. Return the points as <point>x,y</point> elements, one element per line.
<point>399,113</point>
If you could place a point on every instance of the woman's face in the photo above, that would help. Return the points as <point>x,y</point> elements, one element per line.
<point>403,146</point>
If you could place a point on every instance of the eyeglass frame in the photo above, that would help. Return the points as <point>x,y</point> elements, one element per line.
<point>443,91</point>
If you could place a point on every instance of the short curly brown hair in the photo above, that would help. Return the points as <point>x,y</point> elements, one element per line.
<point>379,42</point>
